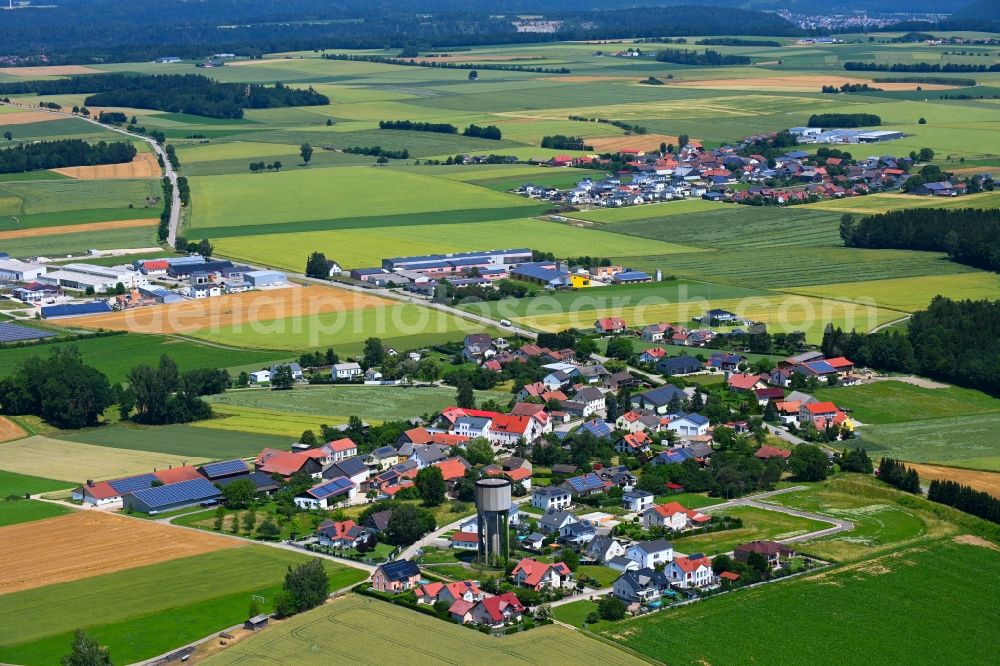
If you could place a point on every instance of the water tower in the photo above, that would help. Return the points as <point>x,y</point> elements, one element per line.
<point>493,510</point>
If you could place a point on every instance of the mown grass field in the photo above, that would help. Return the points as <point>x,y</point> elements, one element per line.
<point>115,356</point>
<point>370,403</point>
<point>178,440</point>
<point>898,402</point>
<point>757,524</point>
<point>75,463</point>
<point>353,624</point>
<point>906,585</point>
<point>913,293</point>
<point>139,613</point>
<point>959,441</point>
<point>21,484</point>
<point>13,512</point>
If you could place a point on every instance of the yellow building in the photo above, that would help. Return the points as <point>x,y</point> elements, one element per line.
<point>578,281</point>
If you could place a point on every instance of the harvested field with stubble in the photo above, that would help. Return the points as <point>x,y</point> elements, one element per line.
<point>10,430</point>
<point>77,228</point>
<point>643,142</point>
<point>26,117</point>
<point>987,482</point>
<point>90,543</point>
<point>143,165</point>
<point>231,311</point>
<point>48,70</point>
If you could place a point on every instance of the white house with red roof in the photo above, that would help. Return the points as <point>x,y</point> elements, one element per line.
<point>111,492</point>
<point>634,443</point>
<point>610,325</point>
<point>823,415</point>
<point>497,611</point>
<point>690,571</point>
<point>745,382</point>
<point>672,516</point>
<point>539,575</point>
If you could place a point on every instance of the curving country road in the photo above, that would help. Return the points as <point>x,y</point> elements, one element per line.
<point>168,169</point>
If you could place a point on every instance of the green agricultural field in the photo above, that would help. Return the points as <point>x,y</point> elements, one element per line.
<point>370,403</point>
<point>78,243</point>
<point>115,356</point>
<point>353,624</point>
<point>180,440</point>
<point>911,294</point>
<point>757,524</point>
<point>142,612</point>
<point>13,512</point>
<point>63,218</point>
<point>854,599</point>
<point>648,212</point>
<point>21,484</point>
<point>883,203</point>
<point>898,402</point>
<point>316,194</point>
<point>355,248</point>
<point>52,196</point>
<point>958,441</point>
<point>267,421</point>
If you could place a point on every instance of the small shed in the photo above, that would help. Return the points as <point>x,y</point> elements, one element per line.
<point>256,622</point>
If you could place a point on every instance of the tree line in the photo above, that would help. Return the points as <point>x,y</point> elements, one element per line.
<point>491,132</point>
<point>628,127</point>
<point>940,80</point>
<point>965,498</point>
<point>970,236</point>
<point>440,128</point>
<point>899,475</point>
<point>445,64</point>
<point>710,58</point>
<point>919,67</point>
<point>64,153</point>
<point>732,41</point>
<point>826,120</point>
<point>193,94</point>
<point>379,151</point>
<point>849,88</point>
<point>952,341</point>
<point>563,142</point>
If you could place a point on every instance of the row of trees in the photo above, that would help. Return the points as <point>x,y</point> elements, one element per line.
<point>257,167</point>
<point>710,58</point>
<point>970,235</point>
<point>965,498</point>
<point>415,126</point>
<point>844,120</point>
<point>849,88</point>
<point>383,154</point>
<point>563,142</point>
<point>491,132</point>
<point>63,153</point>
<point>410,61</point>
<point>852,66</point>
<point>899,475</point>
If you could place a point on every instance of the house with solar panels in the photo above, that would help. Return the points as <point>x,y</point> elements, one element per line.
<point>171,497</point>
<point>328,494</point>
<point>105,493</point>
<point>395,577</point>
<point>586,485</point>
<point>223,473</point>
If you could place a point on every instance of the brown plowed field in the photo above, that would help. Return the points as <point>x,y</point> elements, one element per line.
<point>144,165</point>
<point>231,310</point>
<point>75,228</point>
<point>90,543</point>
<point>25,117</point>
<point>987,482</point>
<point>644,142</point>
<point>10,430</point>
<point>49,70</point>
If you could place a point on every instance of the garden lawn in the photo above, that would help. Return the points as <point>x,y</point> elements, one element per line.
<point>757,524</point>
<point>180,440</point>
<point>115,356</point>
<point>898,402</point>
<point>142,612</point>
<point>355,248</point>
<point>601,576</point>
<point>245,200</point>
<point>370,403</point>
<point>353,624</point>
<point>854,599</point>
<point>24,511</point>
<point>576,612</point>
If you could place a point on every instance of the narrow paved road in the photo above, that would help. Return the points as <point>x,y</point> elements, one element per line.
<point>837,524</point>
<point>168,169</point>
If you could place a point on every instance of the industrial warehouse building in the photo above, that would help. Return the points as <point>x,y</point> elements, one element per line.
<point>458,262</point>
<point>263,279</point>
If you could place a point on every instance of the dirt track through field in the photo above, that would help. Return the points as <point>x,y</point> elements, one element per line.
<point>91,543</point>
<point>10,430</point>
<point>988,482</point>
<point>233,310</point>
<point>76,228</point>
<point>143,165</point>
<point>797,83</point>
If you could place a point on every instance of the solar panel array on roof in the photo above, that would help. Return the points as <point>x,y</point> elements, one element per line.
<point>585,483</point>
<point>597,428</point>
<point>184,492</point>
<point>400,570</point>
<point>132,483</point>
<point>74,309</point>
<point>334,487</point>
<point>15,332</point>
<point>224,468</point>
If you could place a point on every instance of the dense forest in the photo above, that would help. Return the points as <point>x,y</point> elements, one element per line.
<point>68,33</point>
<point>63,153</point>
<point>440,128</point>
<point>952,341</point>
<point>732,41</point>
<point>563,142</point>
<point>844,120</point>
<point>970,236</point>
<point>710,58</point>
<point>178,93</point>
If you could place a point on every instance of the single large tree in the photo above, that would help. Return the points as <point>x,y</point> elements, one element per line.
<point>430,484</point>
<point>317,266</point>
<point>465,397</point>
<point>239,494</point>
<point>306,586</point>
<point>205,248</point>
<point>808,462</point>
<point>282,378</point>
<point>306,151</point>
<point>407,524</point>
<point>86,652</point>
